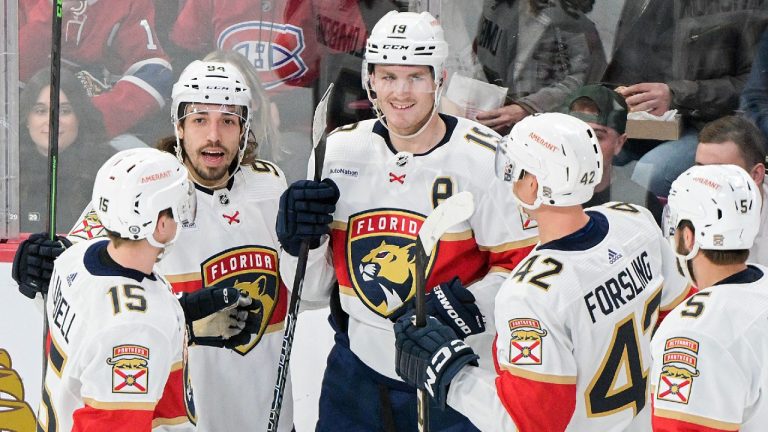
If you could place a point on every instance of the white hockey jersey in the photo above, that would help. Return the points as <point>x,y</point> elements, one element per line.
<point>117,348</point>
<point>574,324</point>
<point>385,197</point>
<point>233,243</point>
<point>709,359</point>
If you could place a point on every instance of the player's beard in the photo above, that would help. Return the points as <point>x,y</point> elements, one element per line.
<point>212,175</point>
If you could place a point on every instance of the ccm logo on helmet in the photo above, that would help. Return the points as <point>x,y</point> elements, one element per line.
<point>396,47</point>
<point>156,176</point>
<point>542,141</point>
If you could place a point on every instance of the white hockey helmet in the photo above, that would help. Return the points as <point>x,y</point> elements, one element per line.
<point>135,185</point>
<point>212,83</point>
<point>723,204</point>
<point>560,150</point>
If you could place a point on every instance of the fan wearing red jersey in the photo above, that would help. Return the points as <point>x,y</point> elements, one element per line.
<point>574,320</point>
<point>99,35</point>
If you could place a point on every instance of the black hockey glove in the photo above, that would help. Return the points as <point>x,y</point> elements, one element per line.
<point>33,262</point>
<point>453,305</point>
<point>220,317</point>
<point>306,209</point>
<point>429,357</point>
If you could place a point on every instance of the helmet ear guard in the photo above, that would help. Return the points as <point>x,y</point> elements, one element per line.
<point>560,150</point>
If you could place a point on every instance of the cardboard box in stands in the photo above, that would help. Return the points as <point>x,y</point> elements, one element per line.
<point>655,130</point>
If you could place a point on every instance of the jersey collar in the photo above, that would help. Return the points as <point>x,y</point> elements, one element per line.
<point>748,275</point>
<point>585,238</point>
<point>450,125</point>
<point>98,262</point>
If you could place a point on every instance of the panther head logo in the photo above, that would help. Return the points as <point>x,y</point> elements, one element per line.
<point>392,268</point>
<point>261,298</point>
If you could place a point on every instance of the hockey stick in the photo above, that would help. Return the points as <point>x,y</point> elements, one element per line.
<point>450,212</point>
<point>318,153</point>
<point>53,154</point>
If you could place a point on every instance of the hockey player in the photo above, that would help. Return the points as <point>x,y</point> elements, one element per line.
<point>231,244</point>
<point>117,349</point>
<point>389,174</point>
<point>574,320</point>
<point>709,353</point>
<point>99,35</point>
<point>736,140</point>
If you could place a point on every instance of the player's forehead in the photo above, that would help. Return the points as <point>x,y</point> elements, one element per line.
<point>204,109</point>
<point>401,70</point>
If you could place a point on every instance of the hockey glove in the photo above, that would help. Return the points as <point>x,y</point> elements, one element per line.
<point>305,213</point>
<point>33,262</point>
<point>220,317</point>
<point>429,357</point>
<point>453,305</point>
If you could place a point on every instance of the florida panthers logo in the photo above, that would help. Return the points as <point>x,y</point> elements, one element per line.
<point>381,248</point>
<point>251,269</point>
<point>274,49</point>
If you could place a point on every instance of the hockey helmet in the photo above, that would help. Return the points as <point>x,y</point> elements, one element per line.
<point>560,150</point>
<point>135,185</point>
<point>723,204</point>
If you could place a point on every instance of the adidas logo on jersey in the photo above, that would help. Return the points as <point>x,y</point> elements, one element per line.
<point>613,256</point>
<point>71,278</point>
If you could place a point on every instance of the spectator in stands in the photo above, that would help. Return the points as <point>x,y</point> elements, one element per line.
<point>265,118</point>
<point>82,151</point>
<point>698,63</point>
<point>541,50</point>
<point>754,98</point>
<point>113,45</point>
<point>606,112</point>
<point>735,140</point>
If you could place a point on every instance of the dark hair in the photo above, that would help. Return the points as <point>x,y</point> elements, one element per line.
<point>717,256</point>
<point>90,123</point>
<point>747,137</point>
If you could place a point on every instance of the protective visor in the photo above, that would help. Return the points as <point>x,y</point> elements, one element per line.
<point>185,210</point>
<point>506,168</point>
<point>198,108</point>
<point>669,222</point>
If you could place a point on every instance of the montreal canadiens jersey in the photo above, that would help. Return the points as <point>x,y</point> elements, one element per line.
<point>284,40</point>
<point>709,358</point>
<point>233,244</point>
<point>385,197</point>
<point>118,36</point>
<point>117,342</point>
<point>574,323</point>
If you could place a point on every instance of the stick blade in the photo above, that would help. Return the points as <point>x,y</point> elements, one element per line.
<point>450,212</point>
<point>319,119</point>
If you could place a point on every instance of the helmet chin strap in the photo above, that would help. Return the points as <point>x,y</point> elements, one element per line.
<point>231,170</point>
<point>382,118</point>
<point>684,261</point>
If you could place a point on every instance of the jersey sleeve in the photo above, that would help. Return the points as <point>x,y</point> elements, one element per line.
<point>147,76</point>
<point>123,375</point>
<point>87,227</point>
<point>696,384</point>
<point>534,359</point>
<point>190,30</point>
<point>319,276</point>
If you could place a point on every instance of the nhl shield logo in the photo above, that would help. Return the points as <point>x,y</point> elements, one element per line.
<point>381,257</point>
<point>678,370</point>
<point>130,369</point>
<point>274,49</point>
<point>250,269</point>
<point>525,345</point>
